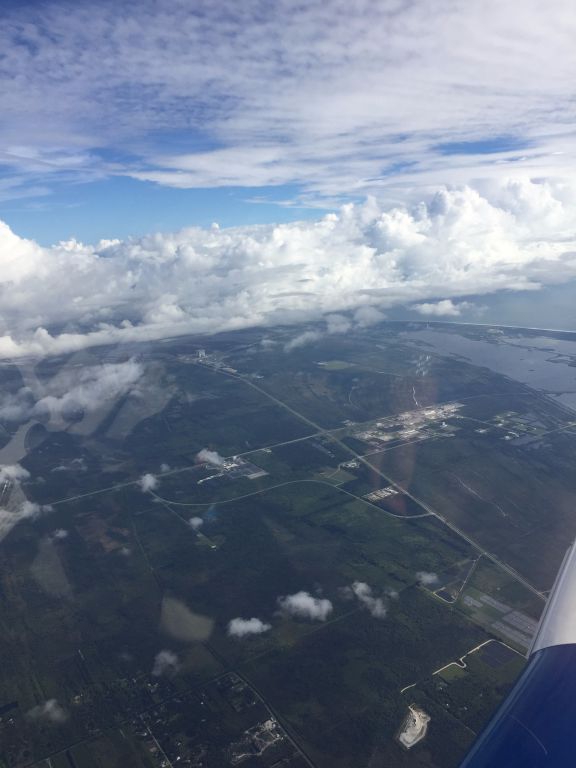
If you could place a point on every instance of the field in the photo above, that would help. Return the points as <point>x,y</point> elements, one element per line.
<point>370,511</point>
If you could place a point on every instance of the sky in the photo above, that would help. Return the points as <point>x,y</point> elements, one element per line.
<point>193,166</point>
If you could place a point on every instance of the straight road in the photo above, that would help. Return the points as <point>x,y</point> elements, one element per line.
<point>329,434</point>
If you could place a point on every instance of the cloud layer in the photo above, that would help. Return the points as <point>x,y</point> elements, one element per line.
<point>366,258</point>
<point>338,97</point>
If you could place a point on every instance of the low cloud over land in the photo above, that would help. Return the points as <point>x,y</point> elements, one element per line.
<point>17,507</point>
<point>303,605</point>
<point>148,482</point>
<point>13,472</point>
<point>242,627</point>
<point>427,578</point>
<point>77,389</point>
<point>165,663</point>
<point>375,605</point>
<point>206,456</point>
<point>50,711</point>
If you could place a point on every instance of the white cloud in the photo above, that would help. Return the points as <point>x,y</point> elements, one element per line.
<point>148,482</point>
<point>242,627</point>
<point>367,316</point>
<point>427,578</point>
<point>76,465</point>
<point>16,506</point>
<point>60,533</point>
<point>339,97</point>
<point>454,243</point>
<point>29,509</point>
<point>50,711</point>
<point>125,551</point>
<point>337,324</point>
<point>77,389</point>
<point>13,472</point>
<point>268,344</point>
<point>375,605</point>
<point>442,308</point>
<point>303,605</point>
<point>89,387</point>
<point>165,663</point>
<point>206,456</point>
<point>302,340</point>
<point>195,523</point>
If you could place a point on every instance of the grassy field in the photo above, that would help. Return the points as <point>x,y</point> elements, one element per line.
<point>85,615</point>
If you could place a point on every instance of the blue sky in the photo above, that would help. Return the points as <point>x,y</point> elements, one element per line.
<point>122,207</point>
<point>163,115</point>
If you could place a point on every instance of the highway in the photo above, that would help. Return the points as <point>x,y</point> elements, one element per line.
<point>332,435</point>
<point>390,481</point>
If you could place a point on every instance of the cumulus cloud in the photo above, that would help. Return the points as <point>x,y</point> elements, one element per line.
<point>427,578</point>
<point>13,473</point>
<point>31,510</point>
<point>442,308</point>
<point>364,594</point>
<point>70,391</point>
<point>454,243</point>
<point>16,506</point>
<point>206,456</point>
<point>337,324</point>
<point>60,533</point>
<point>50,711</point>
<point>243,627</point>
<point>148,482</point>
<point>125,551</point>
<point>89,387</point>
<point>165,663</point>
<point>303,605</point>
<point>367,316</point>
<point>195,523</point>
<point>302,340</point>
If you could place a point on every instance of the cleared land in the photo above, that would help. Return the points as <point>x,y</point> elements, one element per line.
<point>443,488</point>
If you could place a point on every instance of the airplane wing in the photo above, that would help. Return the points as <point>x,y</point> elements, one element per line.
<point>535,725</point>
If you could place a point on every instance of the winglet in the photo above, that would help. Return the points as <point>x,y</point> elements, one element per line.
<point>558,622</point>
